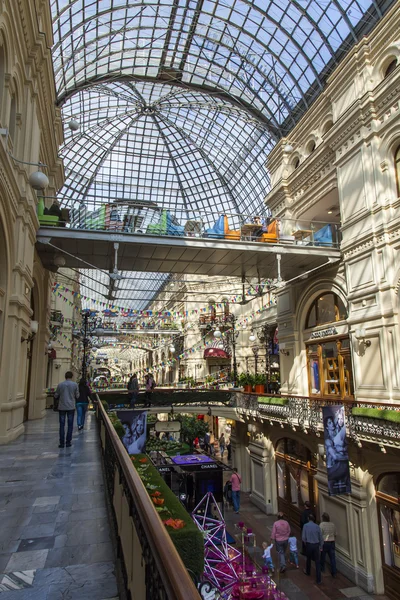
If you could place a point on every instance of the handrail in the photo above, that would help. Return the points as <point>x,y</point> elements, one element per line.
<point>176,579</point>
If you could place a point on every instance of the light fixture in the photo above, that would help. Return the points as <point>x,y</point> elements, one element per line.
<point>252,337</point>
<point>288,148</point>
<point>330,212</point>
<point>360,336</point>
<point>34,327</point>
<point>217,333</point>
<point>59,260</point>
<point>172,348</point>
<point>73,125</point>
<point>38,180</point>
<point>284,352</point>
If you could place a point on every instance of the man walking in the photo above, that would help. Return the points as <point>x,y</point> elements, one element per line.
<point>67,393</point>
<point>329,536</point>
<point>236,482</point>
<point>280,535</point>
<point>312,537</point>
<point>304,519</point>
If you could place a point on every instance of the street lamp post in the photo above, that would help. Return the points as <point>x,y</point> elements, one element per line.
<point>264,335</point>
<point>233,334</point>
<point>89,325</point>
<point>255,350</point>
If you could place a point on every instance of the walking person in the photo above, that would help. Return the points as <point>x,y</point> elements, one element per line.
<point>150,385</point>
<point>222,445</point>
<point>268,562</point>
<point>229,448</point>
<point>293,553</point>
<point>329,537</point>
<point>303,520</point>
<point>83,404</point>
<point>133,390</point>
<point>236,482</point>
<point>67,393</point>
<point>312,537</point>
<point>280,535</point>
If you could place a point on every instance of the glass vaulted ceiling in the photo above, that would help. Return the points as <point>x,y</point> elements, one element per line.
<point>180,101</point>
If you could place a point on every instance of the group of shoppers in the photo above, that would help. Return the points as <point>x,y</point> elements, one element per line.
<point>68,397</point>
<point>317,542</point>
<point>133,389</point>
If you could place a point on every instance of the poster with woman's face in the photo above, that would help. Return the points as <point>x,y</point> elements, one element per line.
<point>134,423</point>
<point>336,450</point>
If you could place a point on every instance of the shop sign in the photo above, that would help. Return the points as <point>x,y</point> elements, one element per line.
<point>164,469</point>
<point>323,333</point>
<point>210,466</point>
<point>167,426</point>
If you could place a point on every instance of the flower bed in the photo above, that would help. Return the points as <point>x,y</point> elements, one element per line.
<point>271,400</point>
<point>377,413</point>
<point>168,446</point>
<point>183,531</point>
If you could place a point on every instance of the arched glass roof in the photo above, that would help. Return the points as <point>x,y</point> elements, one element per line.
<point>271,56</point>
<point>192,153</point>
<point>180,101</point>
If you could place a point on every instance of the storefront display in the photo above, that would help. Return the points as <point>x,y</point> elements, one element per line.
<point>295,469</point>
<point>388,499</point>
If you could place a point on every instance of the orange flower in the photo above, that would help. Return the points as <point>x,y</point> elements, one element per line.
<point>143,460</point>
<point>174,523</point>
<point>156,494</point>
<point>158,501</point>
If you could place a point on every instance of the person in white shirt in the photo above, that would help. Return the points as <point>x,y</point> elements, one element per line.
<point>294,555</point>
<point>267,556</point>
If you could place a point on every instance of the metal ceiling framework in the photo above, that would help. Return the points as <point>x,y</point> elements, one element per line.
<point>180,101</point>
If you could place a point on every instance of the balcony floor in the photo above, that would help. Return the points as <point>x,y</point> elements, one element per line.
<point>163,254</point>
<point>54,518</point>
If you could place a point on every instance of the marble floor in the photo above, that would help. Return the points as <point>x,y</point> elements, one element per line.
<point>54,536</point>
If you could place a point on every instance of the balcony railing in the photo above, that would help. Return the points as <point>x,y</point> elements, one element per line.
<point>152,568</point>
<point>233,226</point>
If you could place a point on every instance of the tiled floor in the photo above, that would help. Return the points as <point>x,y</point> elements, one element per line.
<point>54,535</point>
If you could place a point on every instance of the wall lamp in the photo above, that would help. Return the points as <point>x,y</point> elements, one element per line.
<point>360,336</point>
<point>284,352</point>
<point>38,180</point>
<point>34,326</point>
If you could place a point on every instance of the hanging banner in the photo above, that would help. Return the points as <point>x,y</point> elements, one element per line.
<point>336,450</point>
<point>134,423</point>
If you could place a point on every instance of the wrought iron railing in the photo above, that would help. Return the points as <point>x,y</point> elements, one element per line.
<point>150,563</point>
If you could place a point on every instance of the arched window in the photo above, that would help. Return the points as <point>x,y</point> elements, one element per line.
<point>13,118</point>
<point>311,147</point>
<point>327,308</point>
<point>295,163</point>
<point>211,309</point>
<point>327,126</point>
<point>390,68</point>
<point>397,167</point>
<point>225,304</point>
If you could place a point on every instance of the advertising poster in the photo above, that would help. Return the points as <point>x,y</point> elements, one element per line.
<point>134,423</point>
<point>336,450</point>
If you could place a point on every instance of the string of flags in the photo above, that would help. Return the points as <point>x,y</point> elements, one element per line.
<point>114,310</point>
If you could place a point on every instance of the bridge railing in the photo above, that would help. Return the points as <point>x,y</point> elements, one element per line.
<point>152,567</point>
<point>123,218</point>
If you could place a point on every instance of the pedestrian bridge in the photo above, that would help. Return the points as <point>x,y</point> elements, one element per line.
<point>285,257</point>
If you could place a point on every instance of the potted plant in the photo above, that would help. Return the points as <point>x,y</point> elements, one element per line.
<point>260,384</point>
<point>246,380</point>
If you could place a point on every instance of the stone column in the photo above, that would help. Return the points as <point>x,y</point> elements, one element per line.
<point>263,476</point>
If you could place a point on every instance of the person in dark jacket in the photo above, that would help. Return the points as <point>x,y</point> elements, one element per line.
<point>82,405</point>
<point>133,390</point>
<point>304,518</point>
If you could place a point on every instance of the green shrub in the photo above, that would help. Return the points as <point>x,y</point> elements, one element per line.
<point>188,541</point>
<point>377,413</point>
<point>277,401</point>
<point>105,405</point>
<point>117,424</point>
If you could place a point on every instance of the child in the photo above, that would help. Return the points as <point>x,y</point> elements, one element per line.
<point>267,556</point>
<point>294,556</point>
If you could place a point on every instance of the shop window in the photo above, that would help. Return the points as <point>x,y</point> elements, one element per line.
<point>325,309</point>
<point>295,466</point>
<point>329,368</point>
<point>397,166</point>
<point>388,494</point>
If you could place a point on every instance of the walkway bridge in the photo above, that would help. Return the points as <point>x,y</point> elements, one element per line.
<point>366,422</point>
<point>286,256</point>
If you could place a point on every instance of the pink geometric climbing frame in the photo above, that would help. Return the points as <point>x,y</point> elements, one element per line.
<point>220,558</point>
